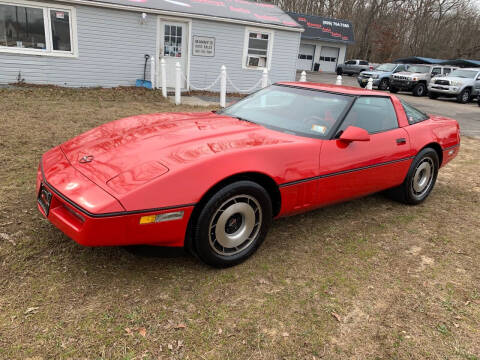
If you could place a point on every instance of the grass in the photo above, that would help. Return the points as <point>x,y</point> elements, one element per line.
<point>366,279</point>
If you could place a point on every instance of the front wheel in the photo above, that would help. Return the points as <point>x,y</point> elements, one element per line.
<point>393,90</point>
<point>233,224</point>
<point>432,95</point>
<point>420,180</point>
<point>464,96</point>
<point>383,84</point>
<point>419,90</point>
<point>339,71</point>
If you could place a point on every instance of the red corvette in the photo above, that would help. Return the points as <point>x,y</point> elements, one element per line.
<point>213,182</point>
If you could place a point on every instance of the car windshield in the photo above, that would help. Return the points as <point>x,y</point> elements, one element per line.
<point>468,74</point>
<point>299,111</point>
<point>419,69</point>
<point>386,67</point>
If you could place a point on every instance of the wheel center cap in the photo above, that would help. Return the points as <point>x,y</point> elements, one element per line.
<point>233,224</point>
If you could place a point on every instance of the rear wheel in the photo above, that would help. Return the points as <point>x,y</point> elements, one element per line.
<point>383,84</point>
<point>420,90</point>
<point>233,224</point>
<point>464,96</point>
<point>420,179</point>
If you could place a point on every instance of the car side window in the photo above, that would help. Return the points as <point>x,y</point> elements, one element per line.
<point>374,114</point>
<point>350,62</point>
<point>413,115</point>
<point>447,71</point>
<point>400,68</point>
<point>363,62</point>
<point>436,71</point>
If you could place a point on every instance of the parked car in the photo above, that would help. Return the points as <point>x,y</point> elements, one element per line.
<point>461,83</point>
<point>213,182</point>
<point>380,75</point>
<point>417,78</point>
<point>352,67</point>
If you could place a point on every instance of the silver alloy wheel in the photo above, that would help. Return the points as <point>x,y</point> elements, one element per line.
<point>423,177</point>
<point>465,96</point>
<point>235,225</point>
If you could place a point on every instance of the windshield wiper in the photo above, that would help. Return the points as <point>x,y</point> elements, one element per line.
<point>243,119</point>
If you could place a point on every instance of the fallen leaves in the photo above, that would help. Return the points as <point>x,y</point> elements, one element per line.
<point>31,310</point>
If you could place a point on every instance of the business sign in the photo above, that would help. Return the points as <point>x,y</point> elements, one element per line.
<point>203,46</point>
<point>320,28</point>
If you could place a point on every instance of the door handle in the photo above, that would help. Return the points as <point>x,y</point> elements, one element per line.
<point>401,141</point>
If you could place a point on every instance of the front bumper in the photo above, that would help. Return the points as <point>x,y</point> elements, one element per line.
<point>364,81</point>
<point>403,84</point>
<point>111,229</point>
<point>444,89</point>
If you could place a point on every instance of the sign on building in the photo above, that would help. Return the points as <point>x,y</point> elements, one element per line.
<point>203,46</point>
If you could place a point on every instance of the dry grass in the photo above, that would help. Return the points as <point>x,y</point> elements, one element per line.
<point>369,279</point>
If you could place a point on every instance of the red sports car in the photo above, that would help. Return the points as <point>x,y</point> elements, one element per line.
<point>213,182</point>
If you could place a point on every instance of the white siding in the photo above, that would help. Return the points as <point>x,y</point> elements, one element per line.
<point>229,44</point>
<point>111,46</point>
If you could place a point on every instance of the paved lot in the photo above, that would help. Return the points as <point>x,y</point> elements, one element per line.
<point>468,115</point>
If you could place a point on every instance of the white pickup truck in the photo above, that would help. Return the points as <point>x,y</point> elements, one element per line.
<point>463,84</point>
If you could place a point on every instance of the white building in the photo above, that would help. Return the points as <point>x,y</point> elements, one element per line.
<point>323,43</point>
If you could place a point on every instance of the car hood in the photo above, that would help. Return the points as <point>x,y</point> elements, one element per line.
<point>374,72</point>
<point>126,153</point>
<point>410,74</point>
<point>454,78</point>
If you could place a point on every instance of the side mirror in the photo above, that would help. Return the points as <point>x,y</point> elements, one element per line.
<point>353,133</point>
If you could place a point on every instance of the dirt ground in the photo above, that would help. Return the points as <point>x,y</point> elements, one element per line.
<point>368,279</point>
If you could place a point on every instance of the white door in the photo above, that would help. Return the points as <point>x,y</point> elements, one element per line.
<point>173,48</point>
<point>329,58</point>
<point>305,57</point>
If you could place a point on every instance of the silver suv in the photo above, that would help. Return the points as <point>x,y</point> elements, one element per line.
<point>352,67</point>
<point>461,83</point>
<point>417,78</point>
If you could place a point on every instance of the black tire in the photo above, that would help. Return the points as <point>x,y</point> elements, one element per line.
<point>362,85</point>
<point>420,90</point>
<point>465,96</point>
<point>393,90</point>
<point>339,71</point>
<point>409,192</point>
<point>383,84</point>
<point>232,206</point>
<point>432,95</point>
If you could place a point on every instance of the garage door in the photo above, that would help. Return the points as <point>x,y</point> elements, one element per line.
<point>329,58</point>
<point>305,57</point>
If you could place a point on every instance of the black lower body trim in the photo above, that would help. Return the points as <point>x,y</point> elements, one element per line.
<point>344,172</point>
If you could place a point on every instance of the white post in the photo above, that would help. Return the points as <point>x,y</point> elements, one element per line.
<point>264,78</point>
<point>178,83</point>
<point>163,73</point>
<point>339,80</point>
<point>223,86</point>
<point>303,77</point>
<point>370,84</point>
<point>152,73</point>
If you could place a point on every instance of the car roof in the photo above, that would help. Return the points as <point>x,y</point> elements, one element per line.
<point>339,89</point>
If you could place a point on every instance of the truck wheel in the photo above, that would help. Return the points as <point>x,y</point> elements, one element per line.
<point>383,84</point>
<point>393,90</point>
<point>419,90</point>
<point>432,95</point>
<point>339,71</point>
<point>464,96</point>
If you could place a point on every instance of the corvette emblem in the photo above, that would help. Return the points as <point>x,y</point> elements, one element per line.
<point>86,159</point>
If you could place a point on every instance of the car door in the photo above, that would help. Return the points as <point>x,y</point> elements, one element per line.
<point>477,86</point>
<point>354,169</point>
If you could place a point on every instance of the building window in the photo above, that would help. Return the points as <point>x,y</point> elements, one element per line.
<point>258,49</point>
<point>31,28</point>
